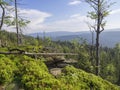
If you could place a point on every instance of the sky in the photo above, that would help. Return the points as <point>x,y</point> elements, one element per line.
<point>62,15</point>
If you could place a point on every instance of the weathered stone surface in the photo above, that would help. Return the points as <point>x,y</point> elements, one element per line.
<point>55,71</point>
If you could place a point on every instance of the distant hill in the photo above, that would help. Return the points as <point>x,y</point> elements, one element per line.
<point>107,38</point>
<point>54,34</point>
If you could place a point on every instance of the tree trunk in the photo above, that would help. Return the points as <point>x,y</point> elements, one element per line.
<point>3,15</point>
<point>16,18</point>
<point>97,40</point>
<point>2,20</point>
<point>92,44</point>
<point>97,55</point>
<point>92,49</point>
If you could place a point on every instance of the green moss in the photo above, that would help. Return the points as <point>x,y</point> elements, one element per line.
<point>80,80</point>
<point>33,74</point>
<point>7,68</point>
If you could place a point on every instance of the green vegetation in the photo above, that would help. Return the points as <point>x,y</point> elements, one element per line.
<point>7,68</point>
<point>22,69</point>
<point>30,74</point>
<point>77,79</point>
<point>25,72</point>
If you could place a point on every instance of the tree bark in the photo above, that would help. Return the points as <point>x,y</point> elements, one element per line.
<point>97,41</point>
<point>97,55</point>
<point>2,20</point>
<point>3,15</point>
<point>16,20</point>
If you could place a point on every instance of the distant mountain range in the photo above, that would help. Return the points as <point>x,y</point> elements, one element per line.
<point>107,38</point>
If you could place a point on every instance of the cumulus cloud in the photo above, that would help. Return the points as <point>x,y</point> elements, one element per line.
<point>75,2</point>
<point>35,15</point>
<point>73,23</point>
<point>36,18</point>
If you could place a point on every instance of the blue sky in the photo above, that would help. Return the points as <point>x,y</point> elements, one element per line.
<point>62,15</point>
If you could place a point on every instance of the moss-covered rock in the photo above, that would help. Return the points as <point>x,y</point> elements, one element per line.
<point>77,79</point>
<point>30,74</point>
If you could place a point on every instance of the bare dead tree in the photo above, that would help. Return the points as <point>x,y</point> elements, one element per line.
<point>101,10</point>
<point>16,20</point>
<point>3,15</point>
<point>92,42</point>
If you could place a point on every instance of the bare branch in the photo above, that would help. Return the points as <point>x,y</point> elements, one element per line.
<point>102,28</point>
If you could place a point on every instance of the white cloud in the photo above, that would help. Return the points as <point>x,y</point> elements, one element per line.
<point>73,23</point>
<point>113,19</point>
<point>115,11</point>
<point>35,15</point>
<point>36,18</point>
<point>75,2</point>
